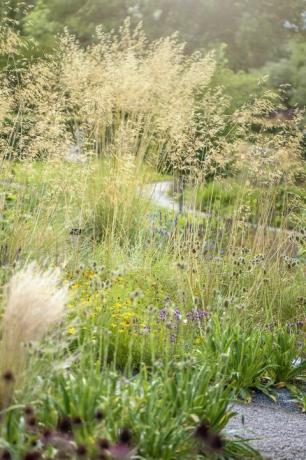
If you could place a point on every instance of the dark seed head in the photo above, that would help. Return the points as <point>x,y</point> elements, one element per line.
<point>81,450</point>
<point>125,436</point>
<point>47,434</point>
<point>64,424</point>
<point>8,376</point>
<point>32,421</point>
<point>99,415</point>
<point>28,410</point>
<point>75,231</point>
<point>104,443</point>
<point>215,442</point>
<point>202,431</point>
<point>35,455</point>
<point>6,455</point>
<point>77,420</point>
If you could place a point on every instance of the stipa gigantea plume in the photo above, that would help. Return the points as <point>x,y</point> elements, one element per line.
<point>119,83</point>
<point>35,302</point>
<point>123,94</point>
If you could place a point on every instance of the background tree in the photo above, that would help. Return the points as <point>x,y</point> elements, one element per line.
<point>254,30</point>
<point>291,72</point>
<point>50,17</point>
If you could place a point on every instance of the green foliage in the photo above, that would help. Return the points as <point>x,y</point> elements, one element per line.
<point>240,355</point>
<point>49,18</point>
<point>287,367</point>
<point>290,72</point>
<point>240,86</point>
<point>224,197</point>
<point>299,396</point>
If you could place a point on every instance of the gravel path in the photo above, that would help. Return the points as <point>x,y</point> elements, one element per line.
<point>278,430</point>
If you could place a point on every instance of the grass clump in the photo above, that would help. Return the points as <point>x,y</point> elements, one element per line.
<point>34,304</point>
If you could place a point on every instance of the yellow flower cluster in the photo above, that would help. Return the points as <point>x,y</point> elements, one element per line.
<point>123,316</point>
<point>89,300</point>
<point>86,302</point>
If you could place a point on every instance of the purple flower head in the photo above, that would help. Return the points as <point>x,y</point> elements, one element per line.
<point>196,315</point>
<point>163,314</point>
<point>121,451</point>
<point>177,315</point>
<point>202,314</point>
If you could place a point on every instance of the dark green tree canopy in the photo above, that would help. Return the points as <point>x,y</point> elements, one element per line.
<point>254,31</point>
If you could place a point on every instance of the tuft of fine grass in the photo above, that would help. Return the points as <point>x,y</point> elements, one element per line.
<point>35,303</point>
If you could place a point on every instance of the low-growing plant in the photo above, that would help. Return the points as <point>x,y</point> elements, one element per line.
<point>165,410</point>
<point>286,353</point>
<point>299,396</point>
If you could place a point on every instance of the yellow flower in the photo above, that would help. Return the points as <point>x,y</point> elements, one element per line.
<point>89,274</point>
<point>71,330</point>
<point>127,315</point>
<point>199,340</point>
